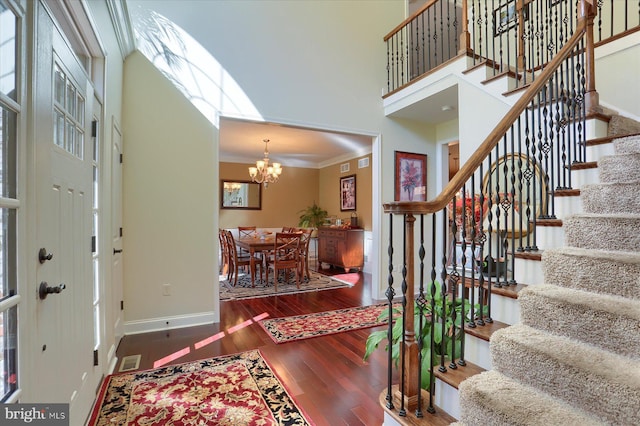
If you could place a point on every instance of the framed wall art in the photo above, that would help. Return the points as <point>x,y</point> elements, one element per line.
<point>410,177</point>
<point>505,17</point>
<point>348,193</point>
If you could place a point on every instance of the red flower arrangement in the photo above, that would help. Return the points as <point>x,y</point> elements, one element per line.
<point>472,214</point>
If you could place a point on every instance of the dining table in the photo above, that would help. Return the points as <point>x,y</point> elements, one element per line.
<point>255,244</point>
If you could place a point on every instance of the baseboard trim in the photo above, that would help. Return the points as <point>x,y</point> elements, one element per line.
<point>168,323</point>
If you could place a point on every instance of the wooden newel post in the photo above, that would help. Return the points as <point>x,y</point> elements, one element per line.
<point>465,36</point>
<point>588,11</point>
<point>411,389</point>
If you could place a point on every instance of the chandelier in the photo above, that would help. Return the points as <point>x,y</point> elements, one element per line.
<point>263,172</point>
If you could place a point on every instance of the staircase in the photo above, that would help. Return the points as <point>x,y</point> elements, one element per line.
<point>574,356</point>
<point>559,337</point>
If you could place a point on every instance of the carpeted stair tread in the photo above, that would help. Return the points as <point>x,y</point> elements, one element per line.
<point>494,399</point>
<point>598,271</point>
<point>603,232</point>
<point>627,145</point>
<point>619,168</point>
<point>604,384</point>
<point>573,313</point>
<point>608,198</point>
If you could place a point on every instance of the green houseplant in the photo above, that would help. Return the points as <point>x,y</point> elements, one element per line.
<point>453,335</point>
<point>312,217</point>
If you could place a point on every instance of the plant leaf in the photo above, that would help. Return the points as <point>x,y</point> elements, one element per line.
<point>373,341</point>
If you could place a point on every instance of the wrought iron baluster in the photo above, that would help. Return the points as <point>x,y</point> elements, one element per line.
<point>390,293</point>
<point>443,279</point>
<point>421,305</point>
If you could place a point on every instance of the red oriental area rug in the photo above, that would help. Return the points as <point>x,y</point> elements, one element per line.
<point>288,329</point>
<point>238,389</point>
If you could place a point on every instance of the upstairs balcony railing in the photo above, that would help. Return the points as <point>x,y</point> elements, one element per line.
<point>457,248</point>
<point>514,36</point>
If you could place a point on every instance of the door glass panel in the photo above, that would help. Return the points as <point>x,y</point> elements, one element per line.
<point>58,133</point>
<point>71,99</point>
<point>71,132</point>
<point>80,111</point>
<point>59,85</point>
<point>8,349</point>
<point>8,143</point>
<point>69,112</point>
<point>7,253</point>
<point>79,141</point>
<point>8,52</point>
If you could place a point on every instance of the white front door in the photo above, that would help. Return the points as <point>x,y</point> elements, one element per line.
<point>64,332</point>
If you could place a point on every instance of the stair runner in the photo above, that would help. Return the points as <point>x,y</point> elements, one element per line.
<point>574,357</point>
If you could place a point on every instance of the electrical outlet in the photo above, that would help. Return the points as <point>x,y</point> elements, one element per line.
<point>166,289</point>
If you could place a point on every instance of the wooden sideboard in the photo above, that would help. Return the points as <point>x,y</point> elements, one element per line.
<point>343,248</point>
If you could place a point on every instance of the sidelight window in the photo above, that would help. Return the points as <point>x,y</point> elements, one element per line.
<point>9,203</point>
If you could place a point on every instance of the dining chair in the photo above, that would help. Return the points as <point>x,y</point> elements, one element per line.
<point>246,231</point>
<point>284,257</point>
<point>224,253</point>
<point>305,240</point>
<point>238,260</point>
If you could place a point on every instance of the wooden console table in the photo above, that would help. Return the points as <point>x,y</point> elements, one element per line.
<point>339,247</point>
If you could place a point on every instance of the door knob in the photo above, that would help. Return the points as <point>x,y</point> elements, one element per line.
<point>116,251</point>
<point>43,256</point>
<point>45,290</point>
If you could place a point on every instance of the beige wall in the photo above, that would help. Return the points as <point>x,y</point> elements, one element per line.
<point>169,207</point>
<point>297,189</point>
<point>330,191</point>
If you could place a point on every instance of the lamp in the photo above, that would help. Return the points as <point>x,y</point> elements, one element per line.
<point>263,172</point>
<point>232,187</point>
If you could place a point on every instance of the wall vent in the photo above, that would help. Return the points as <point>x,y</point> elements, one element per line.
<point>344,168</point>
<point>129,363</point>
<point>363,162</point>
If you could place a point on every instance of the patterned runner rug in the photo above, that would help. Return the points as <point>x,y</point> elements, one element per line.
<point>243,289</point>
<point>288,329</point>
<point>237,389</point>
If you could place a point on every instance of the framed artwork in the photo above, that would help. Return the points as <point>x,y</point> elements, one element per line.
<point>348,193</point>
<point>505,17</point>
<point>410,177</point>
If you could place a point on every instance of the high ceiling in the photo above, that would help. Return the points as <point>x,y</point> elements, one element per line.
<point>242,141</point>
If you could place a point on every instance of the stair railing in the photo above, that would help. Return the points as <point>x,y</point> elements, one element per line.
<point>475,227</point>
<point>431,36</point>
<point>516,37</point>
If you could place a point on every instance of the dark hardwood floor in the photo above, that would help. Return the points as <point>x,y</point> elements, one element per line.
<point>326,375</point>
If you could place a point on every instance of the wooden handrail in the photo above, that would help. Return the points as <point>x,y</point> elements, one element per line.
<point>466,171</point>
<point>426,6</point>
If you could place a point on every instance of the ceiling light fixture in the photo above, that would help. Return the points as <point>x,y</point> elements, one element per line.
<point>263,172</point>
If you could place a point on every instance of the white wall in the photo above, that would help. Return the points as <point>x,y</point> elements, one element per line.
<point>170,213</point>
<point>319,64</point>
<point>614,60</point>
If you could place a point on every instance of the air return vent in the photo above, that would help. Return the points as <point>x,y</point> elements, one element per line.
<point>131,362</point>
<point>363,162</point>
<point>344,167</point>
